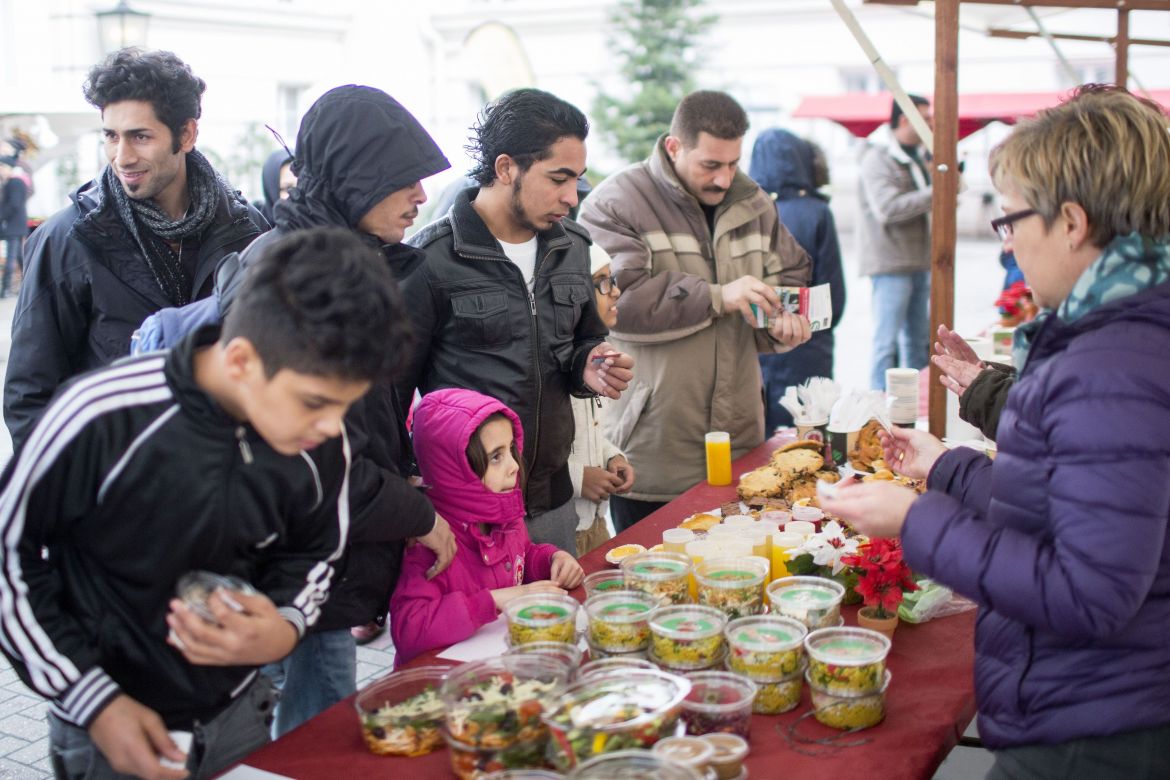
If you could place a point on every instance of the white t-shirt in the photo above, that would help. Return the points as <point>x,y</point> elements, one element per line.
<point>524,257</point>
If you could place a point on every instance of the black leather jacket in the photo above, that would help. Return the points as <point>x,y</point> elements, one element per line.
<point>476,326</point>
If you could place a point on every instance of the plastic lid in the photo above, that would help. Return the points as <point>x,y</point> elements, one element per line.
<point>399,686</point>
<point>692,751</point>
<point>847,646</point>
<point>806,591</point>
<point>541,609</point>
<point>729,748</point>
<point>688,621</point>
<point>766,633</point>
<point>627,606</point>
<point>719,692</point>
<point>656,566</point>
<point>618,702</point>
<point>606,666</point>
<point>809,513</point>
<point>740,520</point>
<point>731,572</point>
<point>677,535</point>
<point>634,765</point>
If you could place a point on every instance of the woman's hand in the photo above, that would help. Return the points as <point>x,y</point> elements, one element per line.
<point>909,452</point>
<point>872,508</point>
<point>956,360</point>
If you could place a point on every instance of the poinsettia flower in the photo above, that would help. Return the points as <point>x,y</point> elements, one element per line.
<point>829,545</point>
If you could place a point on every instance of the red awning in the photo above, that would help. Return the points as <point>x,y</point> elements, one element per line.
<point>861,113</point>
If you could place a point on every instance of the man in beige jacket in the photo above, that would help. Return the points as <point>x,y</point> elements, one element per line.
<point>694,243</point>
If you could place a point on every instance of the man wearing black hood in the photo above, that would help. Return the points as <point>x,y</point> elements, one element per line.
<point>359,163</point>
<point>276,179</point>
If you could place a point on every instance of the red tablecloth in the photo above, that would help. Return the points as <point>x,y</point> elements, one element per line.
<point>930,702</point>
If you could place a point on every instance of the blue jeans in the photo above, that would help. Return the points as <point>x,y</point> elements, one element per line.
<point>320,672</point>
<point>901,333</point>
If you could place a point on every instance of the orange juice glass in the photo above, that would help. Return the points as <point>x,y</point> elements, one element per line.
<point>718,458</point>
<point>783,543</point>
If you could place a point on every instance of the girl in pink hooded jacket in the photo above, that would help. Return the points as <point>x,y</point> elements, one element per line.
<point>468,450</point>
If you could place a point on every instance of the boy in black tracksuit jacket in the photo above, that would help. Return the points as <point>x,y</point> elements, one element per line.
<point>191,460</point>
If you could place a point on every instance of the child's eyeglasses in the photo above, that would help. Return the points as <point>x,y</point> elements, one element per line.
<point>1003,225</point>
<point>605,284</point>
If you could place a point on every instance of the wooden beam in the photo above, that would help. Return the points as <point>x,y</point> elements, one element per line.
<point>999,32</point>
<point>1131,5</point>
<point>945,183</point>
<point>1122,47</point>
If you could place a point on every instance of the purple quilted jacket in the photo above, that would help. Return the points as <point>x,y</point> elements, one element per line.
<point>1062,539</point>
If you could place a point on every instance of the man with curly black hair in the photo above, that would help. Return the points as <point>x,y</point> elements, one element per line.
<point>144,235</point>
<point>504,302</point>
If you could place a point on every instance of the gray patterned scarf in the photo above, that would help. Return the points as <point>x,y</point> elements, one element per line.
<point>151,227</point>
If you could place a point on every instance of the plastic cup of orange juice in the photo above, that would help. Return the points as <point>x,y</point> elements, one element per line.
<point>782,545</point>
<point>718,445</point>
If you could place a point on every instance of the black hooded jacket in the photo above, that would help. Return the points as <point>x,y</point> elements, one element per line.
<point>86,288</point>
<point>357,145</point>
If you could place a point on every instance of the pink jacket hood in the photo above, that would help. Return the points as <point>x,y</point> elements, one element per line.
<point>444,423</point>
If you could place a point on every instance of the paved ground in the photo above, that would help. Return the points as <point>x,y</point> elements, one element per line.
<point>23,732</point>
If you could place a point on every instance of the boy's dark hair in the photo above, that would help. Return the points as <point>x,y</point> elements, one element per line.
<point>156,77</point>
<point>477,456</point>
<point>322,302</point>
<point>523,124</point>
<point>711,112</point>
<point>896,112</point>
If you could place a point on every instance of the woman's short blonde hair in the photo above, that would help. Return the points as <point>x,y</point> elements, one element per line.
<point>1103,149</point>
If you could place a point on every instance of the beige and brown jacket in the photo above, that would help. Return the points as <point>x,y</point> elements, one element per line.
<point>696,369</point>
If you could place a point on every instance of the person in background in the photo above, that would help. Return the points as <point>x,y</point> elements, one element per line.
<point>694,243</point>
<point>146,235</point>
<point>276,179</point>
<point>14,192</point>
<point>469,453</point>
<point>598,468</point>
<point>784,166</point>
<point>895,242</point>
<point>503,302</point>
<point>1063,539</point>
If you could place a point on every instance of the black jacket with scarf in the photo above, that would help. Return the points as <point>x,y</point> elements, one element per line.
<point>87,288</point>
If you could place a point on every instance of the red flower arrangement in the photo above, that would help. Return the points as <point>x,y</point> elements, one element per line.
<point>1016,304</point>
<point>882,575</point>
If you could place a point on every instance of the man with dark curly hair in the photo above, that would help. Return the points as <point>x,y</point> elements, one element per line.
<point>504,302</point>
<point>144,235</point>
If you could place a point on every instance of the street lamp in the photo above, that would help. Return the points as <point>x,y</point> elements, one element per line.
<point>121,26</point>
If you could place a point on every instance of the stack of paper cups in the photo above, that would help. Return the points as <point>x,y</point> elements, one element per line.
<point>902,395</point>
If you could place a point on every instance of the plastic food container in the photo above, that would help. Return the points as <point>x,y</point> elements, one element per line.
<point>814,601</point>
<point>688,751</point>
<point>633,765</point>
<point>849,712</point>
<point>661,574</point>
<point>608,666</point>
<point>472,763</point>
<point>618,622</point>
<point>603,582</point>
<point>734,585</point>
<point>719,702</point>
<point>568,654</point>
<point>687,636</point>
<point>847,661</point>
<point>402,713</point>
<point>765,647</point>
<point>776,696</point>
<point>627,711</point>
<point>195,587</point>
<point>807,514</point>
<point>730,751</point>
<point>542,617</point>
<point>493,708</point>
<point>523,774</point>
<point>599,654</point>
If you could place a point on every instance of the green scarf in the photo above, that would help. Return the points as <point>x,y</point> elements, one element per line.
<point>1129,265</point>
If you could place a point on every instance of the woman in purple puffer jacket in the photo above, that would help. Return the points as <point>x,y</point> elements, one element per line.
<point>1062,539</point>
<point>468,450</point>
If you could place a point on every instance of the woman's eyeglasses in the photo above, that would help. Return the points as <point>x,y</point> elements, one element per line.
<point>1003,225</point>
<point>605,284</point>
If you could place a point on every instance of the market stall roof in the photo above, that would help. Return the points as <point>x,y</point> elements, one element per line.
<point>862,113</point>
